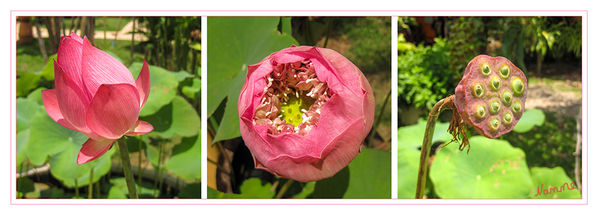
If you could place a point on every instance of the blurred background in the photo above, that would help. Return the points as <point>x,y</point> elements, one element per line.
<point>432,55</point>
<point>365,41</point>
<point>166,162</point>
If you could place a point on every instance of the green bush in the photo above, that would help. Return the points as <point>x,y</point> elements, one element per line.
<point>424,75</point>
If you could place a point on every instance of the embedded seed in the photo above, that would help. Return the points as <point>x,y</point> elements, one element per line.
<point>486,69</point>
<point>507,98</point>
<point>507,118</point>
<point>518,86</point>
<point>494,124</point>
<point>505,71</point>
<point>517,106</point>
<point>494,107</point>
<point>478,90</point>
<point>480,111</point>
<point>495,83</point>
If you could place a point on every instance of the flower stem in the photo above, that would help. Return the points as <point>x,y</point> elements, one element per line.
<point>378,119</point>
<point>284,188</point>
<point>422,174</point>
<point>124,159</point>
<point>90,185</point>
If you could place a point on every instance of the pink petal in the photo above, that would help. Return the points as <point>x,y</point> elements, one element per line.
<point>69,58</point>
<point>142,127</point>
<point>51,105</point>
<point>93,149</point>
<point>72,101</point>
<point>76,37</point>
<point>341,152</point>
<point>143,83</point>
<point>99,68</point>
<point>113,110</point>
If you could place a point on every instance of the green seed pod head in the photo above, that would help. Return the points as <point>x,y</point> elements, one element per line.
<point>491,95</point>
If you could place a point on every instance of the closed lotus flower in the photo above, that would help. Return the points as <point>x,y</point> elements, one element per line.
<point>304,112</point>
<point>96,95</point>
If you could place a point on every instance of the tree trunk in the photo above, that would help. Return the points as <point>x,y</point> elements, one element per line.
<point>88,28</point>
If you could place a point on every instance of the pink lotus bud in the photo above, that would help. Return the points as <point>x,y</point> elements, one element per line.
<point>96,95</point>
<point>304,112</point>
<point>491,95</point>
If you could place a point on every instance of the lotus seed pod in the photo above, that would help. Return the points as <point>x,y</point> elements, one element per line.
<point>491,95</point>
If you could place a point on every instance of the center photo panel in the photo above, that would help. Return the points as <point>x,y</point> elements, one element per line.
<point>299,107</point>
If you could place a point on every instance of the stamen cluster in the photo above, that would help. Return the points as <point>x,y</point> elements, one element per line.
<point>296,87</point>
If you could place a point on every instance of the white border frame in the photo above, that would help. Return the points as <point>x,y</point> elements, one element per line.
<point>393,13</point>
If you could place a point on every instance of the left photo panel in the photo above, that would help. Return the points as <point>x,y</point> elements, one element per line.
<point>108,107</point>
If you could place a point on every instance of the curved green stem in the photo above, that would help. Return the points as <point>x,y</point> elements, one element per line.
<point>284,188</point>
<point>124,159</point>
<point>422,174</point>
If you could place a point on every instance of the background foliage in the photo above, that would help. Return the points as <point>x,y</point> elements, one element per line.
<point>430,70</point>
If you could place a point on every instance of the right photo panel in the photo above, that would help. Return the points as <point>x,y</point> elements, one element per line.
<point>489,107</point>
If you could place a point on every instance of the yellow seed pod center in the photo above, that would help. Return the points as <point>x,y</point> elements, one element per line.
<point>292,110</point>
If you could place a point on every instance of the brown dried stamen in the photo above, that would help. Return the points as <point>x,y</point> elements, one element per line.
<point>292,99</point>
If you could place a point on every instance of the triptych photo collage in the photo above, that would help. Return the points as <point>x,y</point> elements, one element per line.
<point>298,107</point>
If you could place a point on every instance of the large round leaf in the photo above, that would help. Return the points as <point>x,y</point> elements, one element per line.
<point>119,189</point>
<point>553,183</point>
<point>63,166</point>
<point>252,188</point>
<point>22,145</point>
<point>492,169</point>
<point>192,91</point>
<point>530,118</point>
<point>47,137</point>
<point>178,117</point>
<point>36,96</point>
<point>185,160</point>
<point>408,167</point>
<point>412,136</point>
<point>163,87</point>
<point>367,176</point>
<point>26,109</point>
<point>235,43</point>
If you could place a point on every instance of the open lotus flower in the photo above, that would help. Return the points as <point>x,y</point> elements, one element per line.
<point>491,95</point>
<point>96,95</point>
<point>304,112</point>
